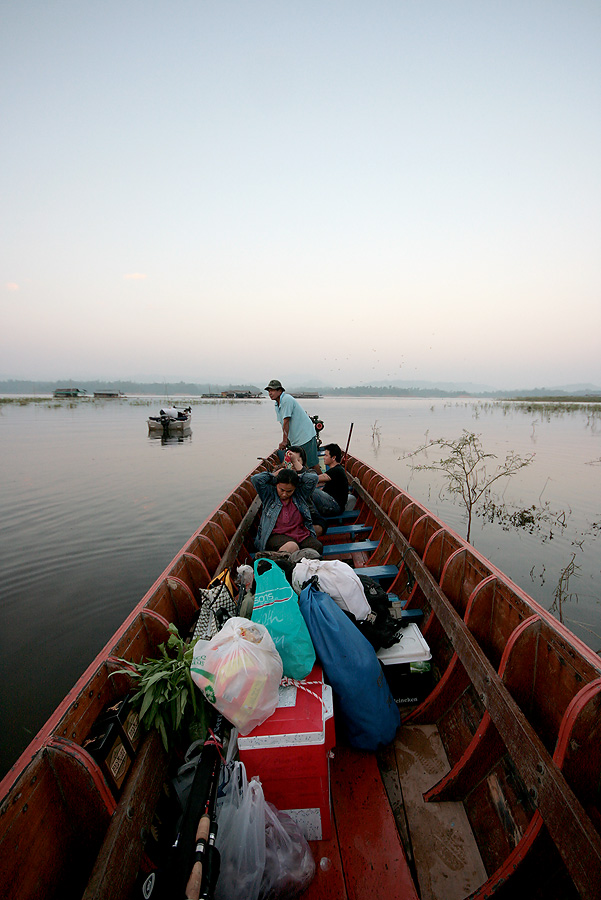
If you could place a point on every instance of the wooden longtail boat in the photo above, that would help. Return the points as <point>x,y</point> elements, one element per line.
<point>491,787</point>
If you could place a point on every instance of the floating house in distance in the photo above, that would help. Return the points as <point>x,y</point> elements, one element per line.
<point>68,392</point>
<point>239,395</point>
<point>305,395</point>
<point>108,395</point>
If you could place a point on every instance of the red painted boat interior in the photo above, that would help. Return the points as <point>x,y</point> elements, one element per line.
<point>509,734</point>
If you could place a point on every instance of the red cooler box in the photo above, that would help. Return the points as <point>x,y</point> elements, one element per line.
<point>290,753</point>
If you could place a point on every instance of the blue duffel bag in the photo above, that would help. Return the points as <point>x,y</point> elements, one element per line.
<point>351,667</point>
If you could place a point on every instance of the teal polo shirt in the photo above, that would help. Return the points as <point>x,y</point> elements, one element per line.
<point>301,428</point>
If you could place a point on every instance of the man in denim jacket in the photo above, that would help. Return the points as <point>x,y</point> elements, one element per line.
<point>285,497</point>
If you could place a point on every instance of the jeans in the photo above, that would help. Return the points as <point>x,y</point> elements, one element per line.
<point>309,543</point>
<point>324,504</point>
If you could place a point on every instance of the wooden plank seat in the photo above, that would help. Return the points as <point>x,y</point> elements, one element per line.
<point>478,618</point>
<point>443,836</point>
<point>522,670</point>
<point>349,515</point>
<point>576,742</point>
<point>355,547</point>
<point>412,615</point>
<point>351,529</point>
<point>379,573</point>
<point>406,615</point>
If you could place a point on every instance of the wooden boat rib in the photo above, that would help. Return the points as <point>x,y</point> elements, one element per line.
<point>491,788</point>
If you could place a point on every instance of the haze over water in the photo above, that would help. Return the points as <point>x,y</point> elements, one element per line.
<point>93,510</point>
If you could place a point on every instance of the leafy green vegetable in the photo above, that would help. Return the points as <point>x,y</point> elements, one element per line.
<point>167,697</point>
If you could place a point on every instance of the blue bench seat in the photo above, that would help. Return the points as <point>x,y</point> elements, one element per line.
<point>355,547</point>
<point>349,515</point>
<point>379,573</point>
<point>349,529</point>
<point>411,615</point>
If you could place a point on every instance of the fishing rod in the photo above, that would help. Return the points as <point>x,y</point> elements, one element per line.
<point>347,445</point>
<point>212,864</point>
<point>205,869</point>
<point>193,865</point>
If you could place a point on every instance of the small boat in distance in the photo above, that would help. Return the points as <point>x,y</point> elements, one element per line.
<point>490,787</point>
<point>171,420</point>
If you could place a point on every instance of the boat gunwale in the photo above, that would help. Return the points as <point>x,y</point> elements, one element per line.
<point>51,726</point>
<point>566,820</point>
<point>555,624</point>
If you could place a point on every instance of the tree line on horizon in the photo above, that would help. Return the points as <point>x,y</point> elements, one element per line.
<point>16,386</point>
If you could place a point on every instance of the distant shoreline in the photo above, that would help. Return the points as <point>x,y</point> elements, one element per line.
<point>42,389</point>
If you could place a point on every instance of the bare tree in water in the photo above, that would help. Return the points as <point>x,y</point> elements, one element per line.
<point>466,469</point>
<point>562,591</point>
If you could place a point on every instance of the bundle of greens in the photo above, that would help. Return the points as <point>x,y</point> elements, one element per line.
<point>167,698</point>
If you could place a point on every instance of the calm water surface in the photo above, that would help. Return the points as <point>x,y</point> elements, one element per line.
<point>93,509</point>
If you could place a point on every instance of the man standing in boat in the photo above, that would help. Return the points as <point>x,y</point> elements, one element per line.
<point>297,427</point>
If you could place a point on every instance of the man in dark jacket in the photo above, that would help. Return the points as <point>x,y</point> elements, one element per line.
<point>331,499</point>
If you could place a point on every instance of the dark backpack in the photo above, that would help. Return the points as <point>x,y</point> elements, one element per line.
<point>381,629</point>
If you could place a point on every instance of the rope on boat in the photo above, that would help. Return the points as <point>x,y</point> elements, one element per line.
<point>292,682</point>
<point>214,741</point>
<point>410,576</point>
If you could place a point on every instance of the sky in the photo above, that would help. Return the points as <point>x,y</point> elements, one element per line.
<point>338,191</point>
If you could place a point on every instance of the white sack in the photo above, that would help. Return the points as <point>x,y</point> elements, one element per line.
<point>338,580</point>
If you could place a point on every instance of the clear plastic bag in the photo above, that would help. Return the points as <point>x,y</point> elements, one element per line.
<point>239,672</point>
<point>241,837</point>
<point>289,864</point>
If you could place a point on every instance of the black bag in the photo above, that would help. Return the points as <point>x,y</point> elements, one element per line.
<point>381,628</point>
<point>281,558</point>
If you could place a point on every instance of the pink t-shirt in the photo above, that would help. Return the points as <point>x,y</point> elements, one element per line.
<point>290,523</point>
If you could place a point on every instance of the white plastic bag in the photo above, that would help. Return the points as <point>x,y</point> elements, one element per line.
<point>239,672</point>
<point>338,580</point>
<point>241,837</point>
<point>289,864</point>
